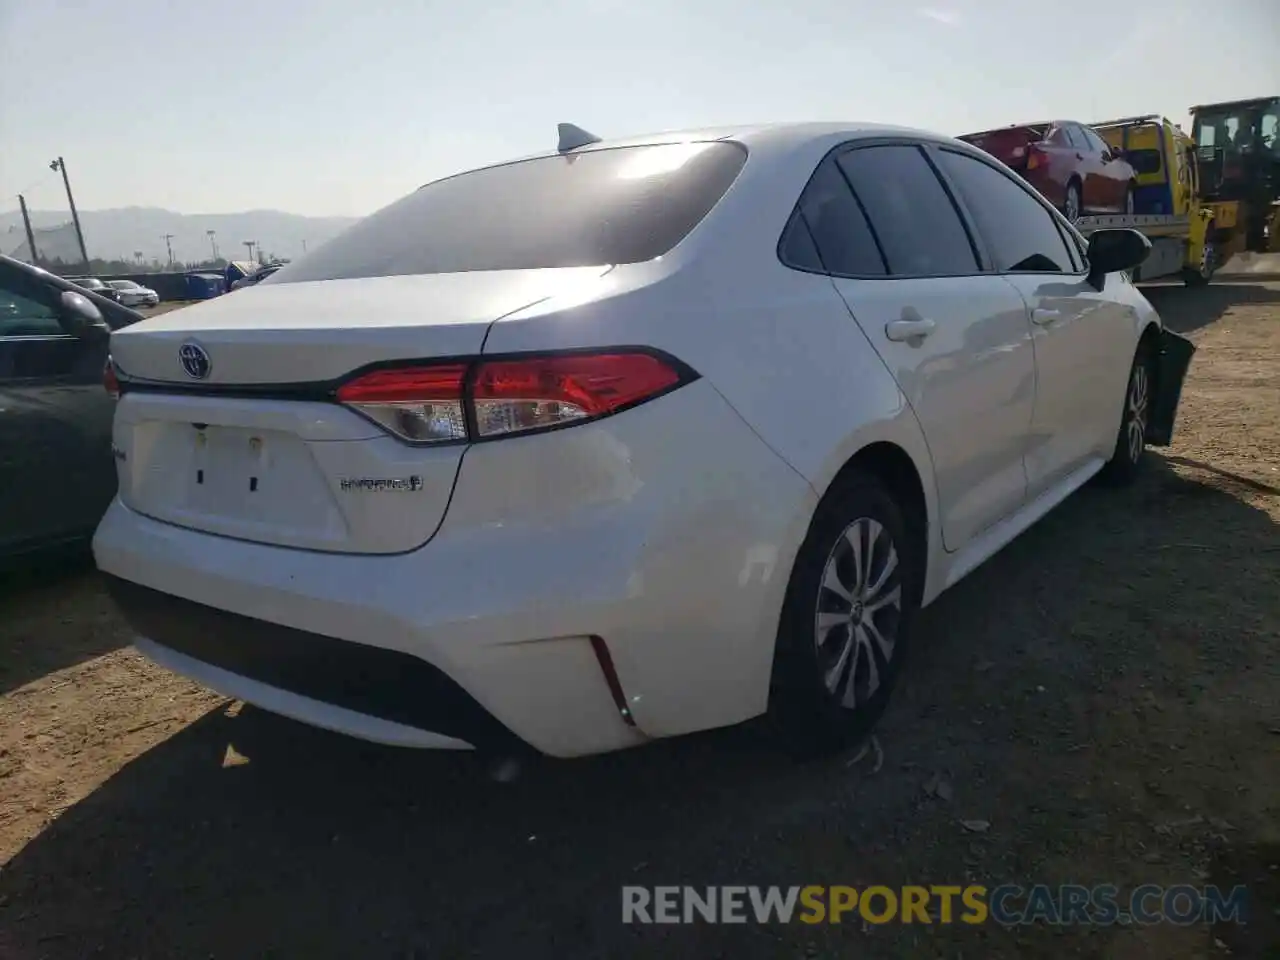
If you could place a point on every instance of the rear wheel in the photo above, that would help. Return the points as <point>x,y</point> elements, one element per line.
<point>1073,202</point>
<point>849,608</point>
<point>1131,441</point>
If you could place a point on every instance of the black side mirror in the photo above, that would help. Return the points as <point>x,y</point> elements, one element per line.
<point>81,318</point>
<point>1112,251</point>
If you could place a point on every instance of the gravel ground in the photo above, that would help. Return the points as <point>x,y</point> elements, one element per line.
<point>1104,695</point>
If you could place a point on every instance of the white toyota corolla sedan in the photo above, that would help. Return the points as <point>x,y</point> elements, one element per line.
<point>624,441</point>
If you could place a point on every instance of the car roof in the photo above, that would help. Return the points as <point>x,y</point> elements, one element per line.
<point>775,134</point>
<point>778,137</point>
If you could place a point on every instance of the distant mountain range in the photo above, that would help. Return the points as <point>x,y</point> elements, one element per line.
<point>123,233</point>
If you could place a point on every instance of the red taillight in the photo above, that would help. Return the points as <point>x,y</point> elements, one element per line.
<point>412,384</point>
<point>482,399</point>
<point>422,404</point>
<point>514,395</point>
<point>110,382</point>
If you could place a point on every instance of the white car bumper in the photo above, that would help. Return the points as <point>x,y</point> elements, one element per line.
<point>656,544</point>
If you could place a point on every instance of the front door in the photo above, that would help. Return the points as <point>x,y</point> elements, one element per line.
<point>57,475</point>
<point>1083,340</point>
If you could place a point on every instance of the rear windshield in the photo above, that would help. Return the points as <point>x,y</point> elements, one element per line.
<point>618,205</point>
<point>1005,137</point>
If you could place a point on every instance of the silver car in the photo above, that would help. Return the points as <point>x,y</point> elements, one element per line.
<point>134,294</point>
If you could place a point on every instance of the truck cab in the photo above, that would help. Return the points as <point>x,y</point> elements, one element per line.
<point>1238,157</point>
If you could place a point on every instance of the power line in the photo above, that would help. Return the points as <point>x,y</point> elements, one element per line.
<point>36,183</point>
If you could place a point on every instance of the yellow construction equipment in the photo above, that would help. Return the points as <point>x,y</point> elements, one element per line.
<point>1238,156</point>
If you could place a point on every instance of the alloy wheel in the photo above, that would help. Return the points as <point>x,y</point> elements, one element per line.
<point>1072,206</point>
<point>859,612</point>
<point>1137,411</point>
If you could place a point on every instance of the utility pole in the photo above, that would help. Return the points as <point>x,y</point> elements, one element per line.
<point>31,237</point>
<point>304,246</point>
<point>61,164</point>
<point>168,238</point>
<point>213,242</point>
<point>249,245</point>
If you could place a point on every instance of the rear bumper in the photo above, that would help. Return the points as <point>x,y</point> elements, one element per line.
<point>635,529</point>
<point>283,668</point>
<point>365,641</point>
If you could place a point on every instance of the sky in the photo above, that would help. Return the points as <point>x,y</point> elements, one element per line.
<point>322,107</point>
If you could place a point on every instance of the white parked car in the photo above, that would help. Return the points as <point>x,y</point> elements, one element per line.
<point>624,441</point>
<point>134,294</point>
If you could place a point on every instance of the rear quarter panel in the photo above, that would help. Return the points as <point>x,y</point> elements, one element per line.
<point>777,343</point>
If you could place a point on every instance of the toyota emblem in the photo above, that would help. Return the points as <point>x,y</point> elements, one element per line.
<point>195,362</point>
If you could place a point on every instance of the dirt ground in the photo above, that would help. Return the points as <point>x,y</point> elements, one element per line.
<point>1105,694</point>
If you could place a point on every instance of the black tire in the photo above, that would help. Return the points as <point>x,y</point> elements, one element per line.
<point>1193,277</point>
<point>810,718</point>
<point>1073,189</point>
<point>1131,443</point>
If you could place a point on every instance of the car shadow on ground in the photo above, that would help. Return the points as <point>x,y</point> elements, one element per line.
<point>246,834</point>
<point>1187,309</point>
<point>53,615</point>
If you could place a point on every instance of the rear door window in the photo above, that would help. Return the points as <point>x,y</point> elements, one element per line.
<point>596,207</point>
<point>909,211</point>
<point>1096,143</point>
<point>830,227</point>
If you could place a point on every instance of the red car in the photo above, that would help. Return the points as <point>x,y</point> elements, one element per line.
<point>1072,167</point>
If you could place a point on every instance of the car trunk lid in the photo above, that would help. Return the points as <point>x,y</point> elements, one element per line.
<point>284,333</point>
<point>1009,145</point>
<point>257,449</point>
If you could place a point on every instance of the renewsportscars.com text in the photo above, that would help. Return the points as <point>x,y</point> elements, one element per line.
<point>1007,904</point>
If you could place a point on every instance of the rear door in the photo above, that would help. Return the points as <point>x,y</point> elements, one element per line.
<point>1079,163</point>
<point>56,471</point>
<point>955,338</point>
<point>1112,175</point>
<point>1084,339</point>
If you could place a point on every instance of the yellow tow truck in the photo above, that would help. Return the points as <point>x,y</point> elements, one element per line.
<point>1185,231</point>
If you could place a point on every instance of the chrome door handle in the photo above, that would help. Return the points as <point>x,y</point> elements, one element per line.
<point>1042,317</point>
<point>902,330</point>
